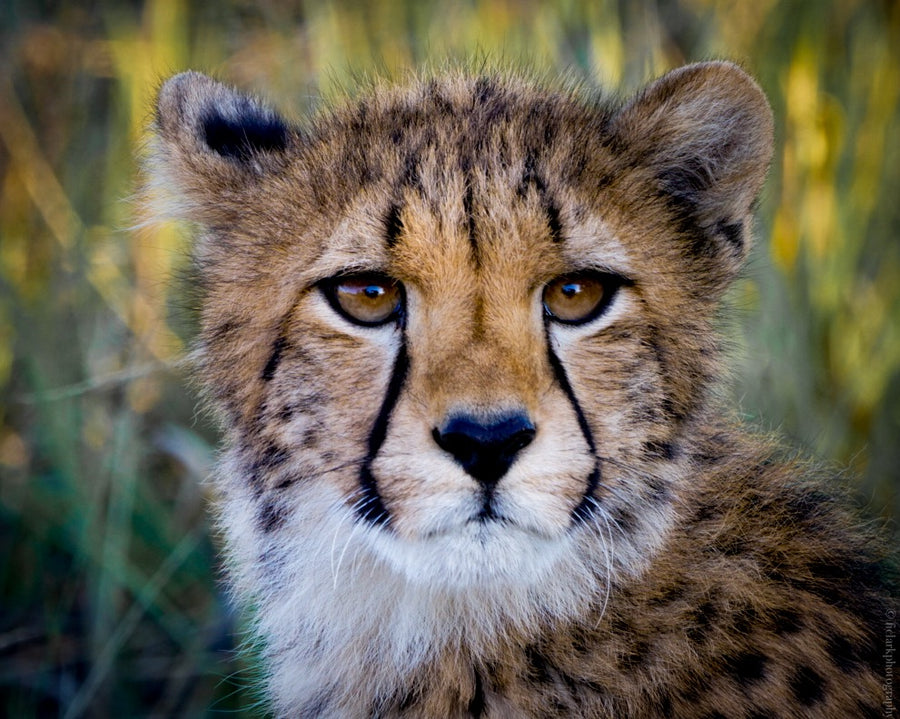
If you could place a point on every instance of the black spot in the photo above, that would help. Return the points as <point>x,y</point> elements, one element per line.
<point>667,595</point>
<point>253,130</point>
<point>747,668</point>
<point>579,641</point>
<point>845,582</point>
<point>272,456</point>
<point>829,571</point>
<point>549,133</point>
<point>600,181</point>
<point>553,222</point>
<point>469,210</point>
<point>808,504</point>
<point>223,332</point>
<point>393,225</point>
<point>706,512</point>
<point>310,439</point>
<point>270,517</point>
<point>411,172</point>
<point>285,483</point>
<point>313,401</point>
<point>659,449</point>
<point>843,654</point>
<point>667,404</point>
<point>278,347</point>
<point>692,690</point>
<point>746,619</point>
<point>636,656</point>
<point>807,686</point>
<point>531,177</point>
<point>477,703</point>
<point>704,617</point>
<point>485,90</point>
<point>624,520</point>
<point>730,545</point>
<point>286,413</point>
<point>539,666</point>
<point>708,456</point>
<point>787,621</point>
<point>657,489</point>
<point>621,626</point>
<point>407,700</point>
<point>441,103</point>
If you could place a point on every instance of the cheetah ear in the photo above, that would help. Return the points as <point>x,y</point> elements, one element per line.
<point>211,143</point>
<point>705,133</point>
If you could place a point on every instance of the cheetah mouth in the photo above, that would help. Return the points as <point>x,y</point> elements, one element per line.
<point>487,526</point>
<point>478,553</point>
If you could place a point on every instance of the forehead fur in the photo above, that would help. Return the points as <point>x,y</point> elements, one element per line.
<point>484,121</point>
<point>699,139</point>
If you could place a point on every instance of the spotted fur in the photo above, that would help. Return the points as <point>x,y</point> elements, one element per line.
<point>643,555</point>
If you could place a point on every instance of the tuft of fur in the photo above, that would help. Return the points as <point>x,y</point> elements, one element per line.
<point>640,554</point>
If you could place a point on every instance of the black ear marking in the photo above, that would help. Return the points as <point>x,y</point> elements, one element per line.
<point>733,232</point>
<point>196,113</point>
<point>247,130</point>
<point>686,181</point>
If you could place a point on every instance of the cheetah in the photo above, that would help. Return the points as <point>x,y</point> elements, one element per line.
<point>460,336</point>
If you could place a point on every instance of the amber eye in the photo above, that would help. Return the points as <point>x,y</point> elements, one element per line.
<point>369,299</point>
<point>580,297</point>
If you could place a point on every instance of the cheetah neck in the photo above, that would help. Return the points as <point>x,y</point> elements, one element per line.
<point>328,601</point>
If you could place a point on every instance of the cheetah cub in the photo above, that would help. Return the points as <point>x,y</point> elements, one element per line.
<point>460,338</point>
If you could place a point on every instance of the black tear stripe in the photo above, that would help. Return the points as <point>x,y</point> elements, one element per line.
<point>371,509</point>
<point>585,509</point>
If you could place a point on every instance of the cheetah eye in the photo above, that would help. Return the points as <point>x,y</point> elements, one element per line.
<point>367,299</point>
<point>581,296</point>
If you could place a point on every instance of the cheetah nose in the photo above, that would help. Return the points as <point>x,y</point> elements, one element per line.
<point>486,450</point>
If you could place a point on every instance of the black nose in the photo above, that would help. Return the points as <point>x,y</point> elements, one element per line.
<point>486,450</point>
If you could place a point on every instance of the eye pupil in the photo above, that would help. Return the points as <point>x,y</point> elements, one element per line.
<point>571,289</point>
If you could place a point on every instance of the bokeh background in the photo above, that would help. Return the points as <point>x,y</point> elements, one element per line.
<point>110,601</point>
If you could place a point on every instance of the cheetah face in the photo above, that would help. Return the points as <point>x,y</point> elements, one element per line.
<point>479,458</point>
<point>462,328</point>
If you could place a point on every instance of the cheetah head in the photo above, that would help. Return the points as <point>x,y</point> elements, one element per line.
<point>461,330</point>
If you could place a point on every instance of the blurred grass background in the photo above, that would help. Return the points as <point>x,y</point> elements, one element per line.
<point>109,599</point>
